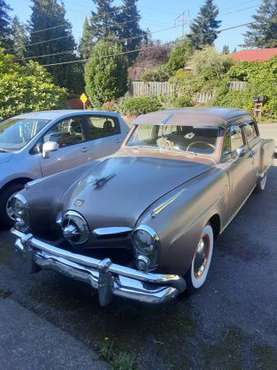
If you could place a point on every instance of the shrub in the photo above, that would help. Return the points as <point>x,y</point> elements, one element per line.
<point>105,75</point>
<point>25,88</point>
<point>134,106</point>
<point>181,101</point>
<point>261,80</point>
<point>159,74</point>
<point>179,56</point>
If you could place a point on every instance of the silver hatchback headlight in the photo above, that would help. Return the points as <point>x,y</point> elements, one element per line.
<point>75,228</point>
<point>21,212</point>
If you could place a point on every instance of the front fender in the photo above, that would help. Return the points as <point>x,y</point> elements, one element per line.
<point>179,224</point>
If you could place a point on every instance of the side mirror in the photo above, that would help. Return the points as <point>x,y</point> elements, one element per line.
<point>240,152</point>
<point>48,147</point>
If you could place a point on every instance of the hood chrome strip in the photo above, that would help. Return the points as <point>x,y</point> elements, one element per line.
<point>105,231</point>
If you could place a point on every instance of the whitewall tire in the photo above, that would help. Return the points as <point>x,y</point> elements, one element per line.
<point>201,262</point>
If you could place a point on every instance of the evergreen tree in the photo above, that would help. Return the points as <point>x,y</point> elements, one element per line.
<point>105,75</point>
<point>130,30</point>
<point>5,30</point>
<point>19,38</point>
<point>263,30</point>
<point>48,22</point>
<point>85,43</point>
<point>104,21</point>
<point>204,29</point>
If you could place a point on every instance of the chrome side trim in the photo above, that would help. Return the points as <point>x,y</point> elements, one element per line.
<point>106,231</point>
<point>126,282</point>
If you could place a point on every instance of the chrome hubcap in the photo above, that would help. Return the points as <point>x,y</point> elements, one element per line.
<point>202,257</point>
<point>263,182</point>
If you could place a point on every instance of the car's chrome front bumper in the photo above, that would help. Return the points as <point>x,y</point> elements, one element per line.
<point>108,278</point>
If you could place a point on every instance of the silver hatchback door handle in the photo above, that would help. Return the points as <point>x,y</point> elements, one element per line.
<point>84,149</point>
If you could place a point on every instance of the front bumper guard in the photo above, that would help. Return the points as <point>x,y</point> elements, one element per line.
<point>103,275</point>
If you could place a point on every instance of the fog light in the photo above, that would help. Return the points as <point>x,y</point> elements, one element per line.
<point>143,263</point>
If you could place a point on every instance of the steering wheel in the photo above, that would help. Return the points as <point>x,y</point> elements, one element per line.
<point>202,143</point>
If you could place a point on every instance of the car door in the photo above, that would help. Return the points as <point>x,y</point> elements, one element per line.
<point>239,165</point>
<point>69,134</point>
<point>103,134</point>
<point>253,140</point>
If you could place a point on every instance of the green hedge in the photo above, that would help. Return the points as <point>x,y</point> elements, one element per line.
<point>261,80</point>
<point>134,106</point>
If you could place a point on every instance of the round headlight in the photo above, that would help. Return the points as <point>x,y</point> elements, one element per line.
<point>75,228</point>
<point>145,240</point>
<point>20,209</point>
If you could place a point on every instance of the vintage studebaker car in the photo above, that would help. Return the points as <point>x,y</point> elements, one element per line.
<point>141,223</point>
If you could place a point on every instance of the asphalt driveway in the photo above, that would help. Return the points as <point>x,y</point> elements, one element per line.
<point>48,321</point>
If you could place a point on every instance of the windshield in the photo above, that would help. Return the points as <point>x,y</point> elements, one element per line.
<point>15,133</point>
<point>176,138</point>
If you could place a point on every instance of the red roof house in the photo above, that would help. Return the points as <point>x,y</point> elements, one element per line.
<point>254,55</point>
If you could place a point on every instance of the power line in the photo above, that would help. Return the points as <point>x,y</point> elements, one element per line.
<point>135,50</point>
<point>46,55</point>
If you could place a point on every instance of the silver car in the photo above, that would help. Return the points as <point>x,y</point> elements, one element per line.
<point>35,145</point>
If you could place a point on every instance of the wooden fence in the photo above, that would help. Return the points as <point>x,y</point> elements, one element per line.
<point>140,88</point>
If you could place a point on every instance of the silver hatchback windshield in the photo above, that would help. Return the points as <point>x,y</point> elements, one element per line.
<point>188,139</point>
<point>15,133</point>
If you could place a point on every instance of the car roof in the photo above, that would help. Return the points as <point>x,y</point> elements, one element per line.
<point>56,114</point>
<point>207,117</point>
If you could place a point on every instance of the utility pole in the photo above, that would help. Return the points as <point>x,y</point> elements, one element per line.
<point>183,20</point>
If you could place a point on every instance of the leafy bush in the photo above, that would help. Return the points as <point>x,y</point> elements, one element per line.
<point>179,56</point>
<point>181,101</point>
<point>157,74</point>
<point>261,80</point>
<point>26,88</point>
<point>134,106</point>
<point>105,75</point>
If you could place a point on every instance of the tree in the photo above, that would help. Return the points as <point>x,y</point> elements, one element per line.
<point>85,43</point>
<point>179,55</point>
<point>104,21</point>
<point>129,28</point>
<point>204,29</point>
<point>19,38</point>
<point>5,30</point>
<point>262,31</point>
<point>106,74</point>
<point>27,87</point>
<point>48,22</point>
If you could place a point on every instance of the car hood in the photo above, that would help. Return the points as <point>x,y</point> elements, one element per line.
<point>5,157</point>
<point>120,189</point>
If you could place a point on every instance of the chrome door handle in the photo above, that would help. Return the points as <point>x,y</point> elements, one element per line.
<point>84,150</point>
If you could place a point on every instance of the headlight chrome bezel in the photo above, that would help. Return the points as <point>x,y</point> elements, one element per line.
<point>75,228</point>
<point>146,255</point>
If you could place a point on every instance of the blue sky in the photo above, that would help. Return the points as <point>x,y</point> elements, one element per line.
<point>160,14</point>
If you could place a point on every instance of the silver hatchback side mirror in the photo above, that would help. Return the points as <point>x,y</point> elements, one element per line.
<point>48,147</point>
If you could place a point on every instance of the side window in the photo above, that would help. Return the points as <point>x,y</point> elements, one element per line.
<point>236,140</point>
<point>250,131</point>
<point>233,140</point>
<point>67,132</point>
<point>99,127</point>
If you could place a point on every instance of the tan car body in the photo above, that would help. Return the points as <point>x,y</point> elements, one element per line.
<point>174,194</point>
